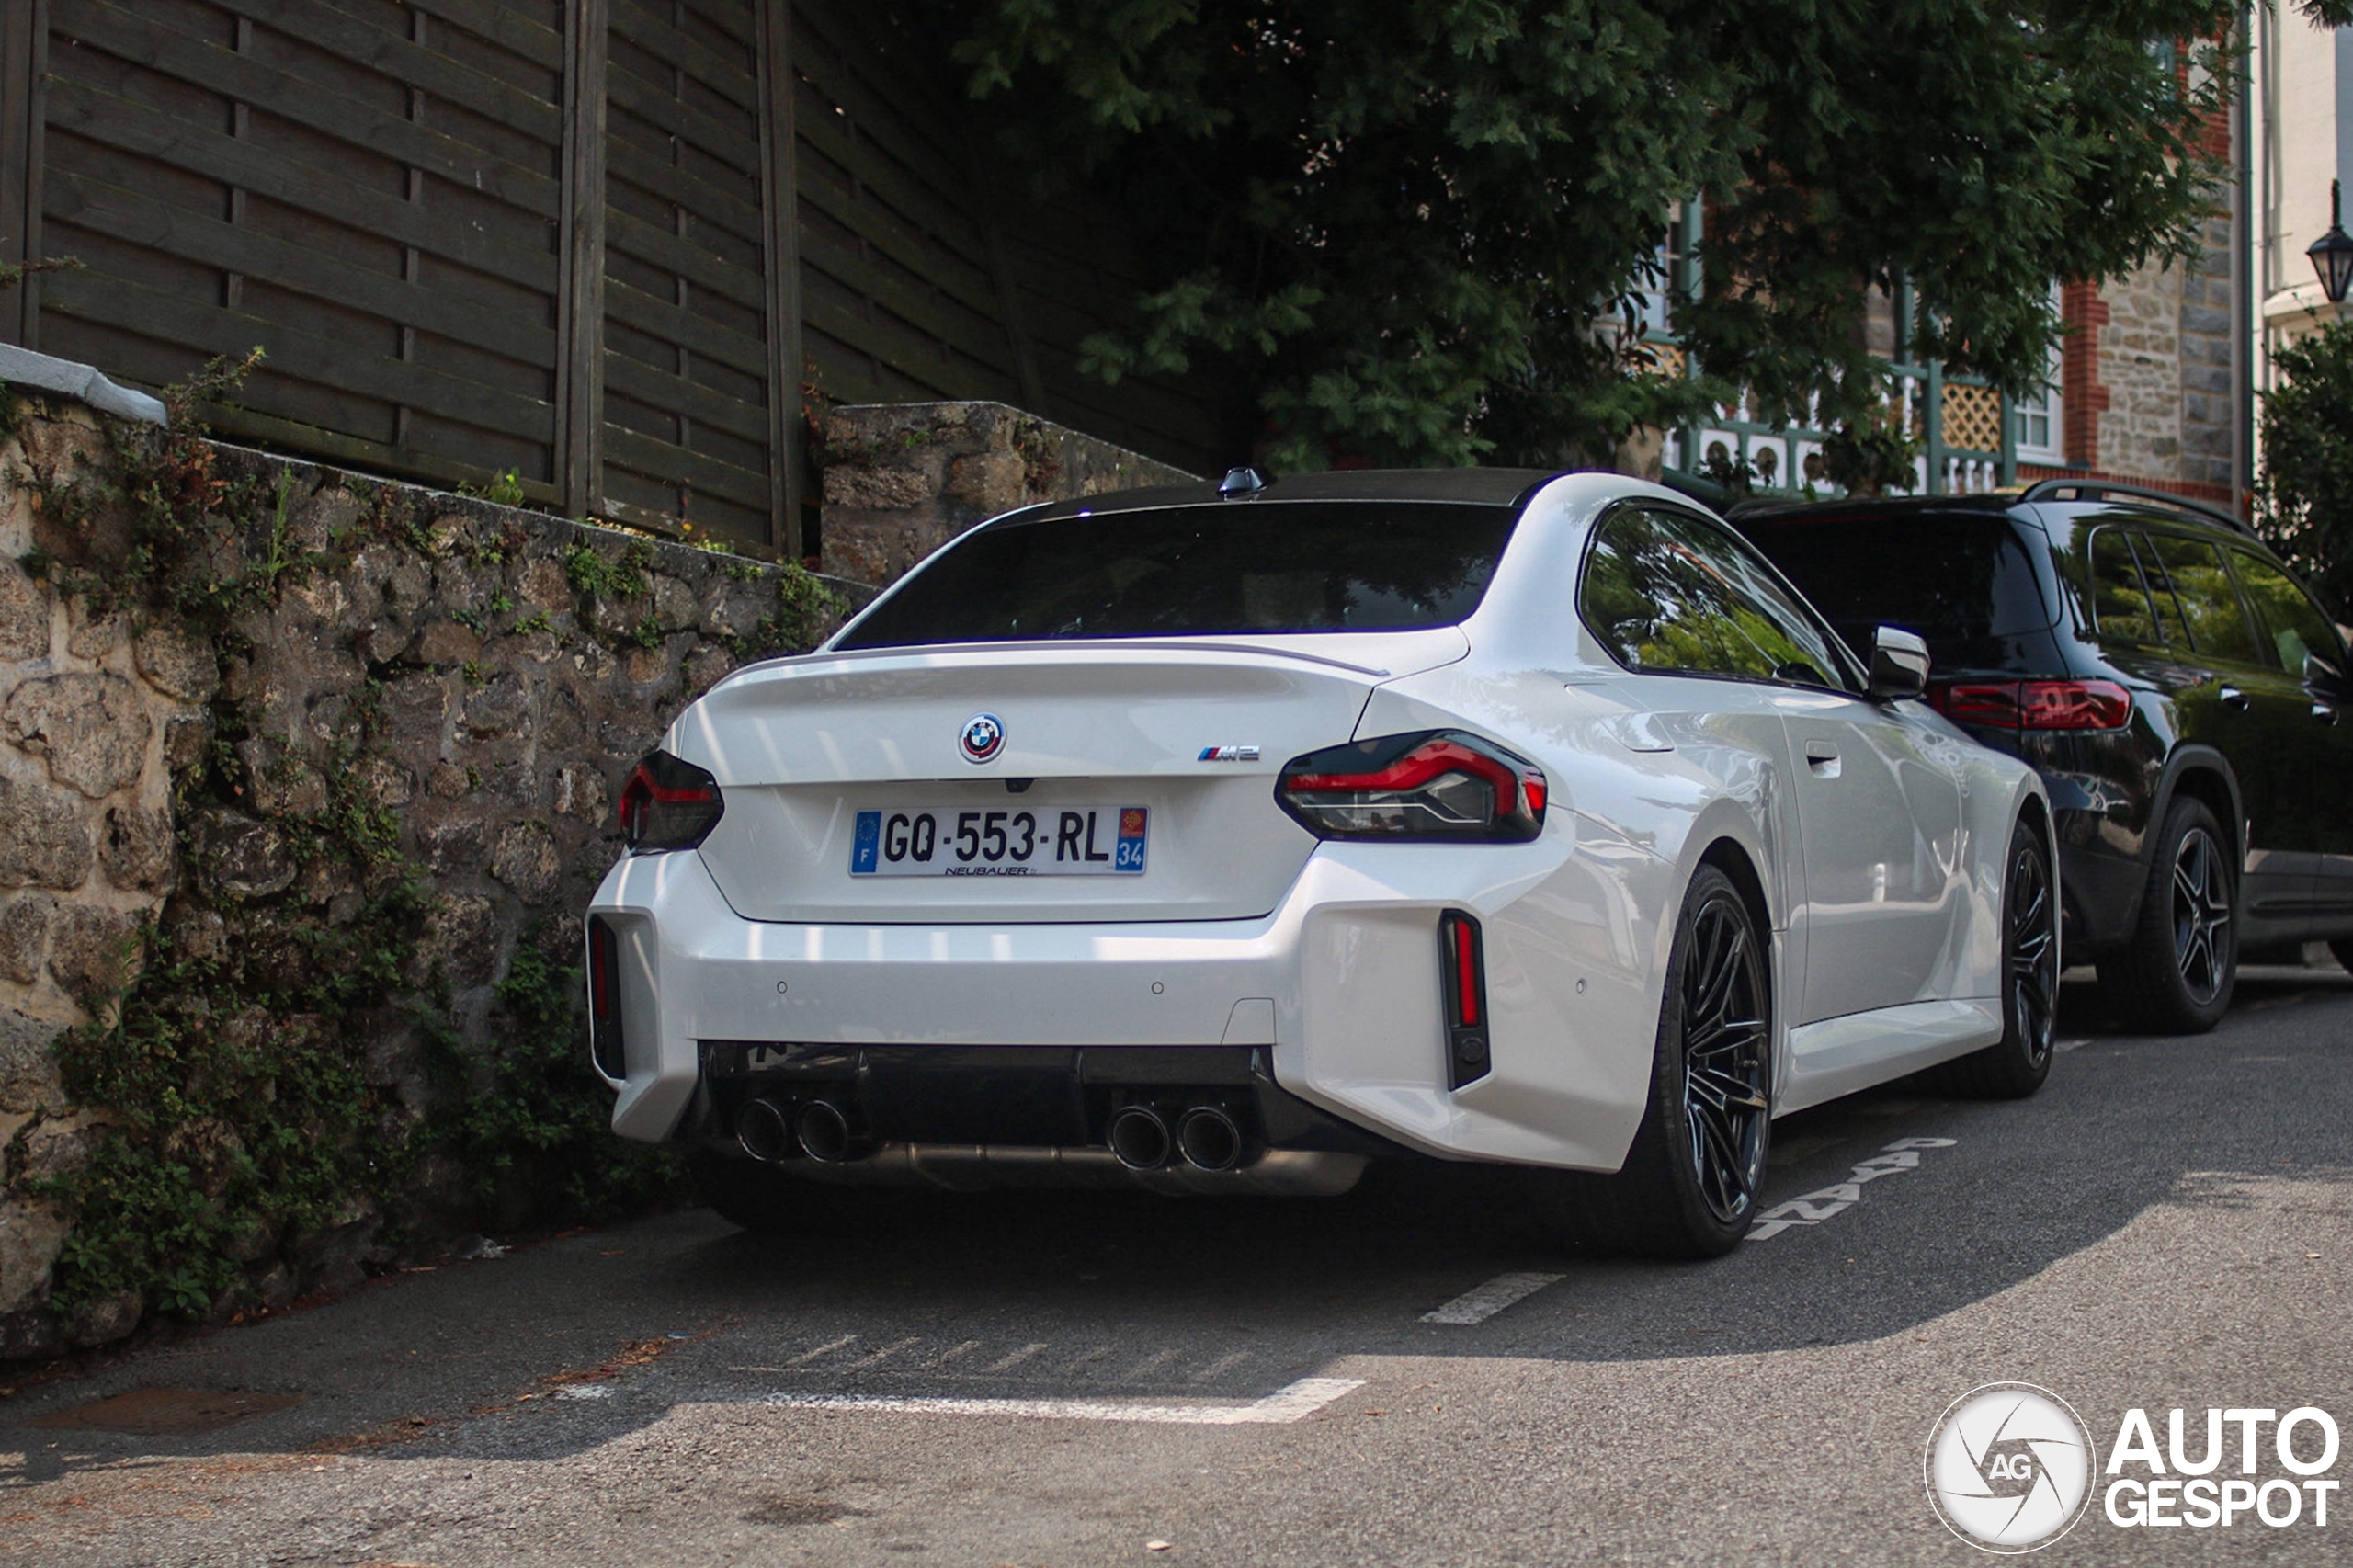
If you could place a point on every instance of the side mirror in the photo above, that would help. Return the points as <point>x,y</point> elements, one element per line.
<point>1899,664</point>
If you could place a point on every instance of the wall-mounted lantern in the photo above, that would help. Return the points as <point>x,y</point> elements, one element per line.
<point>2332,253</point>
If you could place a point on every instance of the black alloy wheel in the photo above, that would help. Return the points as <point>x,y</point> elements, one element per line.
<point>2015,1066</point>
<point>1726,1096</point>
<point>2201,915</point>
<point>2177,975</point>
<point>1692,1178</point>
<point>2030,948</point>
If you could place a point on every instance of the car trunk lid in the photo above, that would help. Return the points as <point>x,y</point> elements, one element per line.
<point>1191,733</point>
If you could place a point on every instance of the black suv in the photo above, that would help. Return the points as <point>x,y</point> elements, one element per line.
<point>2177,689</point>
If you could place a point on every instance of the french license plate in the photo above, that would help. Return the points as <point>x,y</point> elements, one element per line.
<point>1055,841</point>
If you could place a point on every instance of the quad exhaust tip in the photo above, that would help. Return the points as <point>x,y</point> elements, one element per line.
<point>763,1131</point>
<point>1208,1139</point>
<point>823,1130</point>
<point>1139,1138</point>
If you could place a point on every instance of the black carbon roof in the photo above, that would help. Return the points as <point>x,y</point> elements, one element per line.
<point>1493,486</point>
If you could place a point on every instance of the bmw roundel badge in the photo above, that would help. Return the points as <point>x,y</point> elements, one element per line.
<point>983,737</point>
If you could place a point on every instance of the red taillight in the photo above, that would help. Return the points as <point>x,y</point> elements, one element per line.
<point>669,804</point>
<point>604,999</point>
<point>1462,979</point>
<point>1439,785</point>
<point>2034,704</point>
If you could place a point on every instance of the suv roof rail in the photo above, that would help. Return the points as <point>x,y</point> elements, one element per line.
<point>2097,489</point>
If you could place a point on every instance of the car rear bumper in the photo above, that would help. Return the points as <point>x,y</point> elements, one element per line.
<point>2101,888</point>
<point>1327,1012</point>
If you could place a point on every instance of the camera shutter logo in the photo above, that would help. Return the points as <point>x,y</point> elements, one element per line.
<point>2009,1467</point>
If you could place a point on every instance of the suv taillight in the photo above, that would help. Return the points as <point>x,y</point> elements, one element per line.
<point>669,804</point>
<point>2034,704</point>
<point>1440,785</point>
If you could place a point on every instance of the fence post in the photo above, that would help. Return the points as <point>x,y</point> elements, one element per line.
<point>2009,456</point>
<point>780,195</point>
<point>1687,219</point>
<point>1932,424</point>
<point>580,372</point>
<point>24,41</point>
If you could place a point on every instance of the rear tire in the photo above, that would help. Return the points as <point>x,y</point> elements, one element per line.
<point>2177,975</point>
<point>1689,1185</point>
<point>2015,1066</point>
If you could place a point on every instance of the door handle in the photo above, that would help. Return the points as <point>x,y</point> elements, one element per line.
<point>1823,758</point>
<point>2234,697</point>
<point>2324,712</point>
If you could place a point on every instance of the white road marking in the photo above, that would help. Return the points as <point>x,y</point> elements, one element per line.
<point>885,1354</point>
<point>947,1356</point>
<point>1280,1408</point>
<point>1015,1359</point>
<point>826,1350</point>
<point>1479,1305</point>
<point>1150,1365</point>
<point>1812,1208</point>
<point>1226,1362</point>
<point>585,1390</point>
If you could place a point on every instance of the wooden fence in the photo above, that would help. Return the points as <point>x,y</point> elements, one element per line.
<point>596,243</point>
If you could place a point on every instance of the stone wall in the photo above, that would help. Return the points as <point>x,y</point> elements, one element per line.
<point>472,680</point>
<point>2209,406</point>
<point>2139,364</point>
<point>904,479</point>
<point>2147,379</point>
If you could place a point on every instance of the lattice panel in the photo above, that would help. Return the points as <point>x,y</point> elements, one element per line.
<point>1973,418</point>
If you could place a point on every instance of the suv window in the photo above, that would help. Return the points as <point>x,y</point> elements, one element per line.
<point>1663,591</point>
<point>2295,624</point>
<point>1955,578</point>
<point>2200,586</point>
<point>2121,609</point>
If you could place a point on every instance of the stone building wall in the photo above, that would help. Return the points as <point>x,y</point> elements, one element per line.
<point>2146,382</point>
<point>2209,409</point>
<point>904,479</point>
<point>473,681</point>
<point>2139,363</point>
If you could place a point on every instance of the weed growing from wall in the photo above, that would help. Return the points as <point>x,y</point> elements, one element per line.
<point>540,1120</point>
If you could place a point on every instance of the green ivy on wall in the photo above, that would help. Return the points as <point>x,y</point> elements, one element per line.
<point>237,1110</point>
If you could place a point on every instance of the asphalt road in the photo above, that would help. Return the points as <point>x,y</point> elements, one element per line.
<point>1072,1380</point>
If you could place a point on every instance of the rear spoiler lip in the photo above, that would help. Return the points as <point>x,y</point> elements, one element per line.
<point>1111,644</point>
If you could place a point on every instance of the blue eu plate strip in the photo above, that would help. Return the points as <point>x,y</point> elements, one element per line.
<point>867,845</point>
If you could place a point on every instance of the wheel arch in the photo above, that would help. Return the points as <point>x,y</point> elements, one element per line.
<point>2206,776</point>
<point>1731,856</point>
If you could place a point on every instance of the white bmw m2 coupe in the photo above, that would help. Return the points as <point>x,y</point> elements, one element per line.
<point>1224,840</point>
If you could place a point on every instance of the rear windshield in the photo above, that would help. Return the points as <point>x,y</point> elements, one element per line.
<point>1231,567</point>
<point>1954,579</point>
